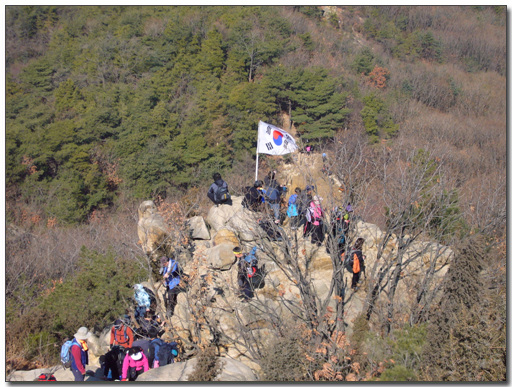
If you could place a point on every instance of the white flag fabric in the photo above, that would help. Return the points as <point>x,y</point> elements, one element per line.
<point>274,141</point>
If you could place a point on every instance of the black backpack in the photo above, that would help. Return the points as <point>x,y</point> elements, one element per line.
<point>167,352</point>
<point>222,194</point>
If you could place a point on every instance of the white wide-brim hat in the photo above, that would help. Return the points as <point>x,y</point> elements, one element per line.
<point>83,334</point>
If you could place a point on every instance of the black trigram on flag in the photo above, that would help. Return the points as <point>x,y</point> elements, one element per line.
<point>269,146</point>
<point>269,129</point>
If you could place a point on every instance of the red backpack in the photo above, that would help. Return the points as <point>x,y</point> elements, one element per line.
<point>46,378</point>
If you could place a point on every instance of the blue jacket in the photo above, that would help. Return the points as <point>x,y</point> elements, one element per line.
<point>174,278</point>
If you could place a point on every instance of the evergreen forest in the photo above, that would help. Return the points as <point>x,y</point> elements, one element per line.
<point>108,106</point>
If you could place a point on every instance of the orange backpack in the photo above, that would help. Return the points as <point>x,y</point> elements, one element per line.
<point>356,267</point>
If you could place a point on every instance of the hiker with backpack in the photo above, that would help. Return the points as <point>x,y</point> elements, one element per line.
<point>121,334</point>
<point>112,362</point>
<point>161,352</point>
<point>245,272</point>
<point>293,209</point>
<point>315,224</point>
<point>172,273</point>
<point>337,238</point>
<point>143,301</point>
<point>273,195</point>
<point>354,261</point>
<point>254,197</point>
<point>134,364</point>
<point>219,191</point>
<point>79,353</point>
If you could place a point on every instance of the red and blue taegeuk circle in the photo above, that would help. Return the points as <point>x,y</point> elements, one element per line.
<point>277,137</point>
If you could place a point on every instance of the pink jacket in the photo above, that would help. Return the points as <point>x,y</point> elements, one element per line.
<point>139,364</point>
<point>316,214</point>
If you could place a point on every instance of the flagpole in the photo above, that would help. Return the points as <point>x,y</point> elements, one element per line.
<point>257,153</point>
<point>256,178</point>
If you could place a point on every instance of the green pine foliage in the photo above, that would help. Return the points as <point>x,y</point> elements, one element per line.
<point>377,119</point>
<point>157,98</point>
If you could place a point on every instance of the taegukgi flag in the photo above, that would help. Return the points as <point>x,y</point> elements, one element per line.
<point>274,141</point>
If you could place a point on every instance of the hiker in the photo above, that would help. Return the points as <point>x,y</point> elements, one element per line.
<point>154,345</point>
<point>273,195</point>
<point>219,191</point>
<point>171,272</point>
<point>80,353</point>
<point>355,261</point>
<point>315,221</point>
<point>134,364</point>
<point>337,239</point>
<point>293,209</point>
<point>121,334</point>
<point>144,344</point>
<point>245,271</point>
<point>112,363</point>
<point>143,301</point>
<point>254,197</point>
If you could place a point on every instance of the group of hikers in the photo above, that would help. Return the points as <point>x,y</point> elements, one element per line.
<point>304,210</point>
<point>135,350</point>
<point>127,358</point>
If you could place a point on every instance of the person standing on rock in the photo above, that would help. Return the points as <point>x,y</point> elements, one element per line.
<point>254,197</point>
<point>171,272</point>
<point>355,262</point>
<point>80,354</point>
<point>121,334</point>
<point>273,195</point>
<point>244,271</point>
<point>143,301</point>
<point>315,221</point>
<point>219,191</point>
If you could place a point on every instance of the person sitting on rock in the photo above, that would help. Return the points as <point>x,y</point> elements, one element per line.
<point>219,191</point>
<point>134,364</point>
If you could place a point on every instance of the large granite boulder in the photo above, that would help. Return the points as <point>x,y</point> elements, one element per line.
<point>221,257</point>
<point>152,230</point>
<point>231,371</point>
<point>198,228</point>
<point>219,215</point>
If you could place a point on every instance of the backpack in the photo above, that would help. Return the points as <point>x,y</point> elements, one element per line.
<point>65,353</point>
<point>154,346</point>
<point>46,378</point>
<point>272,194</point>
<point>345,259</point>
<point>167,352</point>
<point>292,210</point>
<point>251,257</point>
<point>222,194</point>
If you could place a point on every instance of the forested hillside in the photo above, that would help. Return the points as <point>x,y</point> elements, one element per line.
<point>107,106</point>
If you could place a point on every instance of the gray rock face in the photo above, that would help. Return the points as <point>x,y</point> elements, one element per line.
<point>221,257</point>
<point>151,229</point>
<point>232,371</point>
<point>198,229</point>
